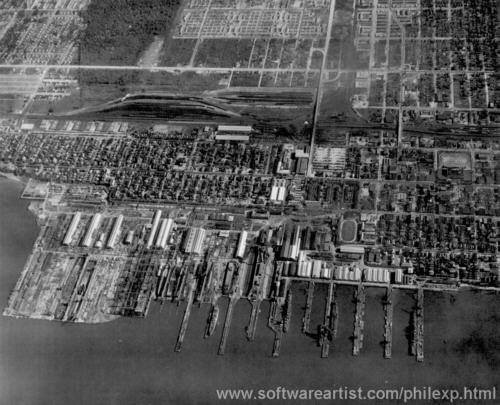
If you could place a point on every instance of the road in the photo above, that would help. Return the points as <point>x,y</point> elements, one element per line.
<point>182,69</point>
<point>319,92</point>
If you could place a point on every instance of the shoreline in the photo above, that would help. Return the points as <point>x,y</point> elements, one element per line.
<point>13,177</point>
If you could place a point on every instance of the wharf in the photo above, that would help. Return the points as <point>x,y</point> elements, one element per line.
<point>306,320</point>
<point>187,314</point>
<point>360,299</point>
<point>227,324</point>
<point>419,326</point>
<point>275,323</point>
<point>326,332</point>
<point>388,319</point>
<point>254,317</point>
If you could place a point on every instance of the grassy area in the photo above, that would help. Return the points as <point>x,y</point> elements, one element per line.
<point>118,31</point>
<point>223,52</point>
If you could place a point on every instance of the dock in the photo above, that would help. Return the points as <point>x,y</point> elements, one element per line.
<point>326,330</point>
<point>251,329</point>
<point>306,320</point>
<point>187,314</point>
<point>227,324</point>
<point>359,323</point>
<point>388,319</point>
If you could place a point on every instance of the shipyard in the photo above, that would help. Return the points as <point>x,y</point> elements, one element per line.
<point>228,187</point>
<point>100,256</point>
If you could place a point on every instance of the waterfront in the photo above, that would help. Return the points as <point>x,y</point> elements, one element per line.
<point>132,361</point>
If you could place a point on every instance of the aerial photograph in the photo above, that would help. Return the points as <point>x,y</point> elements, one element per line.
<point>249,201</point>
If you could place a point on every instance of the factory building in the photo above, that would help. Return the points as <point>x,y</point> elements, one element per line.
<point>291,246</point>
<point>232,137</point>
<point>309,268</point>
<point>242,243</point>
<point>154,228</point>
<point>129,238</point>
<point>240,129</point>
<point>398,276</point>
<point>114,232</point>
<point>164,233</point>
<point>347,274</point>
<point>100,242</point>
<point>352,249</point>
<point>278,190</point>
<point>376,275</point>
<point>193,242</point>
<point>72,228</point>
<point>94,224</point>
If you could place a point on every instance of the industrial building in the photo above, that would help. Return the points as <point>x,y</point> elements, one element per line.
<point>291,245</point>
<point>94,224</point>
<point>72,228</point>
<point>193,241</point>
<point>376,275</point>
<point>278,190</point>
<point>115,232</point>
<point>347,273</point>
<point>245,129</point>
<point>352,249</point>
<point>232,137</point>
<point>154,228</point>
<point>242,243</point>
<point>164,233</point>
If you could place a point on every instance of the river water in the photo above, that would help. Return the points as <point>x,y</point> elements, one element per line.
<point>132,361</point>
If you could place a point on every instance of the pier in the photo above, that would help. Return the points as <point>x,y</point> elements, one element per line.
<point>307,313</point>
<point>254,317</point>
<point>359,323</point>
<point>419,326</point>
<point>227,324</point>
<point>329,321</point>
<point>275,323</point>
<point>187,314</point>
<point>388,318</point>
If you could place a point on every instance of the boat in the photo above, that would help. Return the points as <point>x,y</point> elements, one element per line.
<point>212,321</point>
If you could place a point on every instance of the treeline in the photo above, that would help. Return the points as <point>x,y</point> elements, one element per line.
<point>118,31</point>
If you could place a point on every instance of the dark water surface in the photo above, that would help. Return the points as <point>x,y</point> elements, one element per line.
<point>132,362</point>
